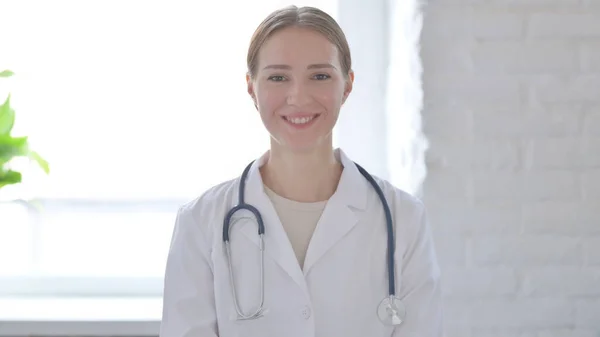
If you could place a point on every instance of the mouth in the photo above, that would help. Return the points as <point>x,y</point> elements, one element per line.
<point>303,120</point>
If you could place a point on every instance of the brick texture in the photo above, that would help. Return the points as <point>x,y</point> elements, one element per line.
<point>512,113</point>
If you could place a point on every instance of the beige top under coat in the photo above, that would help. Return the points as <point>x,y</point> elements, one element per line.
<point>299,220</point>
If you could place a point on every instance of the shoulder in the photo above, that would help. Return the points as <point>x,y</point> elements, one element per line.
<point>208,208</point>
<point>407,210</point>
<point>400,197</point>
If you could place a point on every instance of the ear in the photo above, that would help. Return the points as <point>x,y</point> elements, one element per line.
<point>250,86</point>
<point>348,86</point>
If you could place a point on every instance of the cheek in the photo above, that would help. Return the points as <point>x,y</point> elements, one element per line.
<point>332,100</point>
<point>270,100</point>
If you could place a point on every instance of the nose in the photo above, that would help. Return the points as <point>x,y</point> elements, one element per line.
<point>298,94</point>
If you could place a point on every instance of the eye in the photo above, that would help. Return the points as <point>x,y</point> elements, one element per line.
<point>322,77</point>
<point>276,78</point>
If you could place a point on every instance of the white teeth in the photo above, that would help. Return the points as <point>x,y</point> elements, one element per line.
<point>300,120</point>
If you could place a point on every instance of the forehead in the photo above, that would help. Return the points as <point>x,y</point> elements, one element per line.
<point>298,46</point>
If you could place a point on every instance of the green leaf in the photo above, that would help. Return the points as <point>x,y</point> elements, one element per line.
<point>9,177</point>
<point>7,117</point>
<point>40,161</point>
<point>11,147</point>
<point>6,73</point>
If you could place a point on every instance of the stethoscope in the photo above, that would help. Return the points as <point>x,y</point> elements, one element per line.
<point>391,310</point>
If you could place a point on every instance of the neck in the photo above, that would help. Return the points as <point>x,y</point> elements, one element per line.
<point>305,177</point>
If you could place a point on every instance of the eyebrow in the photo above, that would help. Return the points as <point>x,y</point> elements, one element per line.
<point>312,66</point>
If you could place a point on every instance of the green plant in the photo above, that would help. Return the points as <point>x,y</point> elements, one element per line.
<point>11,147</point>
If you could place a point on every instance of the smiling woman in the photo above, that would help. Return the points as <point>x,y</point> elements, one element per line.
<point>300,85</point>
<point>307,210</point>
<point>140,106</point>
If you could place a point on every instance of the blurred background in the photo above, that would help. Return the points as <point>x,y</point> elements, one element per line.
<point>487,110</point>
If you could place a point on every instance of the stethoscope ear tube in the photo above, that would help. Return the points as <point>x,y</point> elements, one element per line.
<point>390,231</point>
<point>227,223</point>
<point>242,206</point>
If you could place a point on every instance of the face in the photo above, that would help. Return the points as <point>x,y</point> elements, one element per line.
<point>298,88</point>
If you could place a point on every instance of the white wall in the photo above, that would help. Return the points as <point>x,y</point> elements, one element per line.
<point>512,113</point>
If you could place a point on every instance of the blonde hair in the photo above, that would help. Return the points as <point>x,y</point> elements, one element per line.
<point>307,17</point>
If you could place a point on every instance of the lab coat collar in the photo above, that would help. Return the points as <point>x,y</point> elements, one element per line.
<point>338,217</point>
<point>351,188</point>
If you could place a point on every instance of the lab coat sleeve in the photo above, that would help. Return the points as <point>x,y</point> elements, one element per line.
<point>188,296</point>
<point>421,288</point>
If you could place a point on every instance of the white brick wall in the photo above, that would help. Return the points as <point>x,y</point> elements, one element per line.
<point>512,113</point>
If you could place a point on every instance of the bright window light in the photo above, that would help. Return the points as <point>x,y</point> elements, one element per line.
<point>138,107</point>
<point>141,106</point>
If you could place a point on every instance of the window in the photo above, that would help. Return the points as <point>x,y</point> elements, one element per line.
<point>406,143</point>
<point>138,107</point>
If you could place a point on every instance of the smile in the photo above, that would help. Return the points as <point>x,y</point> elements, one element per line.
<point>300,120</point>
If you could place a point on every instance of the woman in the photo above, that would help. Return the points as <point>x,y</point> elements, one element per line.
<point>325,240</point>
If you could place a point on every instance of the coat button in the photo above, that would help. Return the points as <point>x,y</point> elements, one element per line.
<point>306,312</point>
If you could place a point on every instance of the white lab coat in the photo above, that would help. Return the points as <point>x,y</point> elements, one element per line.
<point>344,276</point>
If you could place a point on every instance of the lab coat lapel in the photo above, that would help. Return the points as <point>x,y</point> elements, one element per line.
<point>339,216</point>
<point>277,244</point>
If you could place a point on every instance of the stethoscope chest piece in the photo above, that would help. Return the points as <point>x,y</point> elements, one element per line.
<point>391,311</point>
